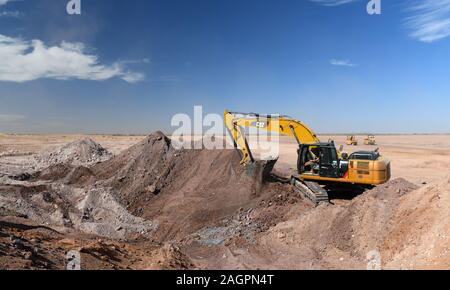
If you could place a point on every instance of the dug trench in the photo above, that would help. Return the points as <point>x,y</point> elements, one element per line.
<point>156,207</point>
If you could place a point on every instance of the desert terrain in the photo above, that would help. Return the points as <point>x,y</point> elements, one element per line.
<point>135,202</point>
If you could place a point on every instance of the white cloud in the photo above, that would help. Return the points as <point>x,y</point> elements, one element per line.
<point>332,2</point>
<point>11,118</point>
<point>13,14</point>
<point>430,20</point>
<point>22,61</point>
<point>133,77</point>
<point>3,2</point>
<point>342,62</point>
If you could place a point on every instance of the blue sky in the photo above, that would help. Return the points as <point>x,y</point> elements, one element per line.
<point>129,66</point>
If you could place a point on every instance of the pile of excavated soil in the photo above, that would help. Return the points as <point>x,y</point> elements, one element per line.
<point>38,203</point>
<point>139,170</point>
<point>420,234</point>
<point>339,236</point>
<point>83,152</point>
<point>150,190</point>
<point>181,190</point>
<point>64,207</point>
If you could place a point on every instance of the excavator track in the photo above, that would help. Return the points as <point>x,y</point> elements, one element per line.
<point>311,190</point>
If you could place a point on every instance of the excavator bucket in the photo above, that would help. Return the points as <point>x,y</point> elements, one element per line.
<point>260,170</point>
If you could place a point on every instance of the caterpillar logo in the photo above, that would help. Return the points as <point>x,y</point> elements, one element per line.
<point>260,124</point>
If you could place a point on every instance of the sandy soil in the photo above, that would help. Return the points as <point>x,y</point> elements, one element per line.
<point>153,207</point>
<point>37,143</point>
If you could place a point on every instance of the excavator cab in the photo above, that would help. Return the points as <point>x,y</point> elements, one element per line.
<point>326,157</point>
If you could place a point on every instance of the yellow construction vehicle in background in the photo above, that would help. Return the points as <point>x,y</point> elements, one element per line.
<point>370,140</point>
<point>352,141</point>
<point>318,164</point>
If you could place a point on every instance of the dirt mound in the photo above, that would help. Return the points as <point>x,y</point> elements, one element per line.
<point>153,165</point>
<point>65,173</point>
<point>420,235</point>
<point>82,152</point>
<point>39,203</point>
<point>92,211</point>
<point>140,169</point>
<point>194,188</point>
<point>150,190</point>
<point>340,236</point>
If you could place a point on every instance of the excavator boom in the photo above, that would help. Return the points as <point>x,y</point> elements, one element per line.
<point>237,122</point>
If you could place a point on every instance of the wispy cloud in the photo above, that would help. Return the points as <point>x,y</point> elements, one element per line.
<point>342,62</point>
<point>4,2</point>
<point>332,2</point>
<point>11,118</point>
<point>132,77</point>
<point>430,20</point>
<point>13,14</point>
<point>22,61</point>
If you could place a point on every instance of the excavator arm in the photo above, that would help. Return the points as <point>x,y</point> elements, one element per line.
<point>284,125</point>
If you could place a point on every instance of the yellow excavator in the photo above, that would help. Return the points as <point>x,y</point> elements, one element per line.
<point>370,140</point>
<point>351,141</point>
<point>319,165</point>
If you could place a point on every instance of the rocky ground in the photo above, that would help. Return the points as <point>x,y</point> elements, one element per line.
<point>154,207</point>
